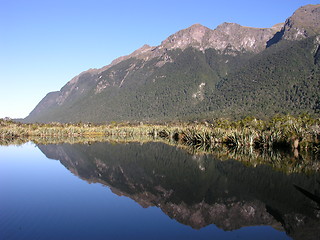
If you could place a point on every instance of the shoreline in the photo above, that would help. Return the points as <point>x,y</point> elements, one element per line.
<point>280,132</point>
<point>288,144</point>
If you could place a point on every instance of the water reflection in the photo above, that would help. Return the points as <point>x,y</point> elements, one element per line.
<point>198,190</point>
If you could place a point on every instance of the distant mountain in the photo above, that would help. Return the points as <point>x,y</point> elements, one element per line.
<point>231,71</point>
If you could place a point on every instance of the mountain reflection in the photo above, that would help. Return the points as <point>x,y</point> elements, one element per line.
<point>198,190</point>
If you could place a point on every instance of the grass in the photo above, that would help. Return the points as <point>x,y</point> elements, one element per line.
<point>302,133</point>
<point>249,140</point>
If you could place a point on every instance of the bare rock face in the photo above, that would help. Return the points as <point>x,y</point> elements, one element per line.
<point>232,36</point>
<point>193,36</point>
<point>305,22</point>
<point>227,38</point>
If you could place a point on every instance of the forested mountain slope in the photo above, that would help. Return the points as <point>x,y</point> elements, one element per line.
<point>231,71</point>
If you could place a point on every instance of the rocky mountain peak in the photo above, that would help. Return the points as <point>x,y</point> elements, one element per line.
<point>305,22</point>
<point>227,38</point>
<point>227,27</point>
<point>190,37</point>
<point>232,37</point>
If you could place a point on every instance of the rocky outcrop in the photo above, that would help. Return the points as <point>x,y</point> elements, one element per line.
<point>302,24</point>
<point>305,22</point>
<point>227,38</point>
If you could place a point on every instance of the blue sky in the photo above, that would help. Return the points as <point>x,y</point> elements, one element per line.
<point>44,43</point>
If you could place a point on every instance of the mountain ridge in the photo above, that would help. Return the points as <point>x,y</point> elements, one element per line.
<point>196,59</point>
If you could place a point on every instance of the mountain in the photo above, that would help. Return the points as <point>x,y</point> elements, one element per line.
<point>231,71</point>
<point>197,190</point>
<point>303,23</point>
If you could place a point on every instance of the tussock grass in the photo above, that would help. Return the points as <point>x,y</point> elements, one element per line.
<point>301,132</point>
<point>249,140</point>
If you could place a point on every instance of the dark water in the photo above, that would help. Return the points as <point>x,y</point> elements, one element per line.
<point>149,191</point>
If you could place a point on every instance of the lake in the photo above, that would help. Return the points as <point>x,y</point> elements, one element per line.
<point>149,191</point>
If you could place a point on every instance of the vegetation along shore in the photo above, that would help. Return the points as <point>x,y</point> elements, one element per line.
<point>287,143</point>
<point>302,132</point>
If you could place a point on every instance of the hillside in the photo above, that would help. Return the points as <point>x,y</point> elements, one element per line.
<point>231,71</point>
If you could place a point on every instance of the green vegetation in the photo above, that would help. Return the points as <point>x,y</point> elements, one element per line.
<point>285,132</point>
<point>282,79</point>
<point>290,144</point>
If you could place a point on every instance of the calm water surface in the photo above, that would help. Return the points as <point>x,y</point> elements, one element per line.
<point>148,191</point>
